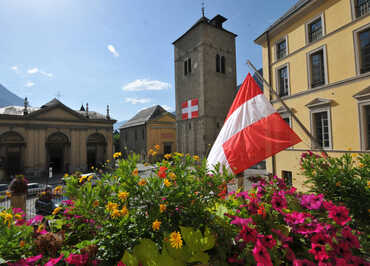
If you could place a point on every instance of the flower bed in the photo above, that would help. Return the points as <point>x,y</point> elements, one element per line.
<point>180,216</point>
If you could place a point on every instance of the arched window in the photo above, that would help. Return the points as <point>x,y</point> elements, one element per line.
<point>223,64</point>
<point>217,63</point>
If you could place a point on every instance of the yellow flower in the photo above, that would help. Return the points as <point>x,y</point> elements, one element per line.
<point>361,165</point>
<point>354,155</point>
<point>108,161</point>
<point>150,152</point>
<point>65,175</point>
<point>95,203</point>
<point>368,184</point>
<point>172,176</point>
<point>90,177</point>
<point>166,182</point>
<point>117,155</point>
<point>196,157</point>
<point>162,207</point>
<point>115,213</point>
<point>40,228</point>
<point>167,156</point>
<point>58,189</point>
<point>123,195</point>
<point>156,225</point>
<point>338,184</point>
<point>56,210</point>
<point>18,216</point>
<point>21,243</point>
<point>157,147</point>
<point>142,182</point>
<point>135,172</point>
<point>7,218</point>
<point>92,167</point>
<point>111,206</point>
<point>146,164</point>
<point>179,154</point>
<point>82,178</point>
<point>154,153</point>
<point>175,240</point>
<point>8,194</point>
<point>123,211</point>
<point>43,193</point>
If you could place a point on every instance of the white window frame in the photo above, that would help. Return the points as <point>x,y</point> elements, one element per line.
<point>309,67</point>
<point>286,114</point>
<point>315,110</point>
<point>277,78</point>
<point>276,48</point>
<point>322,25</point>
<point>363,136</point>
<point>356,44</point>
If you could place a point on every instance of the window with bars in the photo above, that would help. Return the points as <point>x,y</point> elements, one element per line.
<point>317,69</point>
<point>362,7</point>
<point>281,49</point>
<point>283,81</point>
<point>287,120</point>
<point>315,31</point>
<point>364,43</point>
<point>187,66</point>
<point>287,177</point>
<point>321,129</point>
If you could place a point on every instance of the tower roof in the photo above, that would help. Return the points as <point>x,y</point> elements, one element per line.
<point>214,22</point>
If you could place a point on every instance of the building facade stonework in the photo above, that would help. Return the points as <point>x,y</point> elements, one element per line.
<point>34,139</point>
<point>205,69</point>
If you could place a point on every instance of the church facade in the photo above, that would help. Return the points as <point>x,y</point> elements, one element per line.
<point>34,139</point>
<point>205,83</point>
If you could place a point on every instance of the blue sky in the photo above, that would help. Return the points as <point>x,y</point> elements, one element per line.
<point>115,52</point>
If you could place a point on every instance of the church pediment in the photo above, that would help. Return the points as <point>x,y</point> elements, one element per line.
<point>319,102</point>
<point>55,110</point>
<point>363,95</point>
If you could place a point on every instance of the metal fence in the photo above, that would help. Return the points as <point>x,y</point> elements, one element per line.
<point>30,203</point>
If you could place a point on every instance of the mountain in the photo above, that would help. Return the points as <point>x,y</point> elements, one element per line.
<point>9,98</point>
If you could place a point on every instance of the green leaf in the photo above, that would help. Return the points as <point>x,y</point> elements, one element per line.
<point>199,257</point>
<point>146,252</point>
<point>129,259</point>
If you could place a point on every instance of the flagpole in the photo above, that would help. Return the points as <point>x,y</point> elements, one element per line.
<point>286,107</point>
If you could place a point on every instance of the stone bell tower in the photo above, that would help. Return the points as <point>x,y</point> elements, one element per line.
<point>205,80</point>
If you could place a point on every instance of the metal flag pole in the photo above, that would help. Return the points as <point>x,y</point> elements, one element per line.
<point>286,107</point>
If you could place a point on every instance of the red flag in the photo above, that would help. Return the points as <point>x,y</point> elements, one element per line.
<point>252,132</point>
<point>190,109</point>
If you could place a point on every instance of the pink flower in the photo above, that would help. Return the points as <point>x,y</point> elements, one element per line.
<point>339,214</point>
<point>120,263</point>
<point>248,234</point>
<point>33,259</point>
<point>357,261</point>
<point>296,218</point>
<point>77,259</point>
<point>17,210</point>
<point>319,252</point>
<point>54,261</point>
<point>35,220</point>
<point>340,262</point>
<point>312,201</point>
<point>283,238</point>
<point>303,263</point>
<point>164,198</point>
<point>278,202</point>
<point>350,239</point>
<point>241,221</point>
<point>267,241</point>
<point>68,202</point>
<point>261,255</point>
<point>343,250</point>
<point>321,239</point>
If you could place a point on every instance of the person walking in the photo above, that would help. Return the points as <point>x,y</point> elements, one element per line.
<point>18,189</point>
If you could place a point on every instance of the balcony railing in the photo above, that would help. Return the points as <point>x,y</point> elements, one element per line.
<point>362,8</point>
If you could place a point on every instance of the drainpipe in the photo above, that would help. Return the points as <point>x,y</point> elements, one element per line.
<point>273,159</point>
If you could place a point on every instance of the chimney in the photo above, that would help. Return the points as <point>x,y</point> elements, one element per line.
<point>87,110</point>
<point>25,110</point>
<point>108,117</point>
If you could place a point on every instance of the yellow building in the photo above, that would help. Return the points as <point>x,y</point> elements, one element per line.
<point>317,57</point>
<point>149,127</point>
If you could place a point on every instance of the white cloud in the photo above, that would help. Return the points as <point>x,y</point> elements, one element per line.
<point>50,75</point>
<point>15,68</point>
<point>167,108</point>
<point>146,85</point>
<point>112,50</point>
<point>29,84</point>
<point>136,100</point>
<point>33,70</point>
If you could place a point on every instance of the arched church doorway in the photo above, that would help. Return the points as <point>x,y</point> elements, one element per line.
<point>96,149</point>
<point>57,146</point>
<point>11,152</point>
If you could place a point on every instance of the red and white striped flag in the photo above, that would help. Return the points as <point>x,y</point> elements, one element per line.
<point>252,132</point>
<point>190,109</point>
